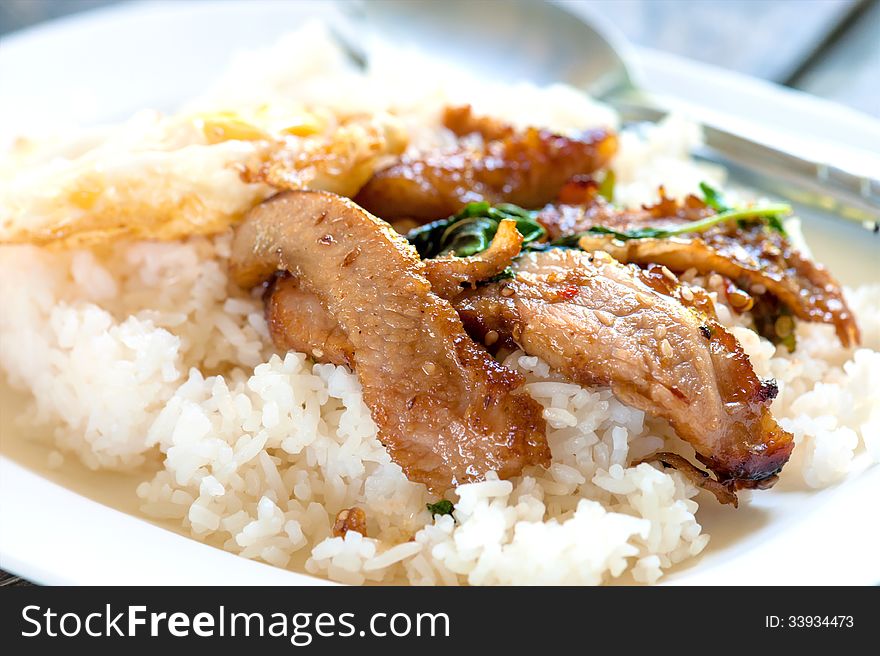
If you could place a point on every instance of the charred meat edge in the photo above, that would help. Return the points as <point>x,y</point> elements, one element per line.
<point>602,323</point>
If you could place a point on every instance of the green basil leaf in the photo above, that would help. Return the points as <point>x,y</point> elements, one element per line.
<point>713,198</point>
<point>467,236</point>
<point>471,230</point>
<point>442,507</point>
<point>770,213</point>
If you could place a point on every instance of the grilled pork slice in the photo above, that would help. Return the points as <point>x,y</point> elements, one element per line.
<point>449,274</point>
<point>526,168</point>
<point>447,412</point>
<point>656,343</point>
<point>600,322</point>
<point>754,257</point>
<point>298,320</point>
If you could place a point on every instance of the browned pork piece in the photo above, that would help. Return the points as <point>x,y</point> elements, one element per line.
<point>462,121</point>
<point>654,341</point>
<point>350,519</point>
<point>445,409</point>
<point>600,322</point>
<point>298,320</point>
<point>449,275</point>
<point>526,168</point>
<point>754,257</point>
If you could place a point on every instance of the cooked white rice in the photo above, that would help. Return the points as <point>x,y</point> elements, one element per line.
<point>147,356</point>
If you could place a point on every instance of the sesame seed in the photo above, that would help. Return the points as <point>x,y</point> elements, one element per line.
<point>666,348</point>
<point>429,368</point>
<point>660,331</point>
<point>621,354</point>
<point>605,318</point>
<point>507,290</point>
<point>351,257</point>
<point>666,272</point>
<point>490,338</point>
<point>687,294</point>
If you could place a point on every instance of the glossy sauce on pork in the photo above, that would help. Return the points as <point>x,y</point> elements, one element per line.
<point>526,168</point>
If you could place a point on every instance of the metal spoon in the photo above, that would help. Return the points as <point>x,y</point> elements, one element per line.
<point>545,43</point>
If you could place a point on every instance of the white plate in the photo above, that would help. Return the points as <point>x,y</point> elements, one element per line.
<point>74,526</point>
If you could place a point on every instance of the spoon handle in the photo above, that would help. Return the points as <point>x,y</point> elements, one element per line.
<point>850,190</point>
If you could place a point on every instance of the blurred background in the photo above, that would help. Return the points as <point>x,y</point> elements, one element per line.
<point>830,48</point>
